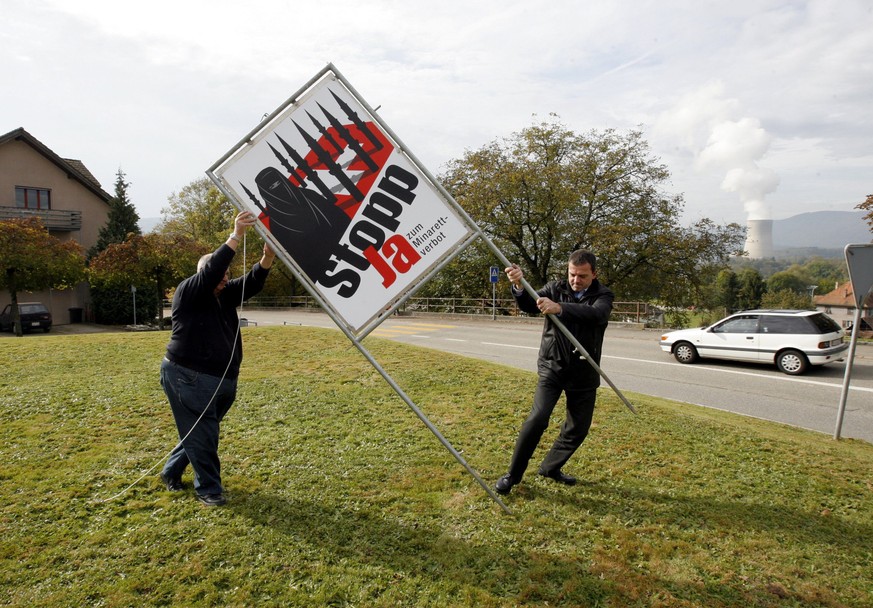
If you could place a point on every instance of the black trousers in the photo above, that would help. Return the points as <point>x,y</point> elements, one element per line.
<point>580,411</point>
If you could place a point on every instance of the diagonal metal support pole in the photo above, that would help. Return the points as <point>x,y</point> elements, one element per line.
<point>563,328</point>
<point>429,424</point>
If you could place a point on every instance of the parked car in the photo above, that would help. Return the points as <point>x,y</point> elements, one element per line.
<point>34,315</point>
<point>791,339</point>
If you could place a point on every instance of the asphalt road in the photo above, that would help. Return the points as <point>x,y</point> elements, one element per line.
<point>635,363</point>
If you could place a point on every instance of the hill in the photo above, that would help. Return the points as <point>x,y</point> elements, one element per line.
<point>821,229</point>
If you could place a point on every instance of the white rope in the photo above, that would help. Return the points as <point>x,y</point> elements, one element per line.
<point>217,388</point>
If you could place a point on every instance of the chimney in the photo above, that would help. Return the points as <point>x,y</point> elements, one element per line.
<point>759,239</point>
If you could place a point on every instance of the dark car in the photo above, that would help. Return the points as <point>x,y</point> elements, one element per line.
<point>34,315</point>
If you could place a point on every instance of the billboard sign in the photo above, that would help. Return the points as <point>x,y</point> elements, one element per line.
<point>343,204</point>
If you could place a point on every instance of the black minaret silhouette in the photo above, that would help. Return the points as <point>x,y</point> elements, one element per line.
<point>332,166</point>
<point>363,126</point>
<point>347,136</point>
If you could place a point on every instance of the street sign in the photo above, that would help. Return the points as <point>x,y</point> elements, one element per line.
<point>495,274</point>
<point>859,259</point>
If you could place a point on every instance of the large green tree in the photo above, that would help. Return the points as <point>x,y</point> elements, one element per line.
<point>150,263</point>
<point>547,190</point>
<point>32,260</point>
<point>199,212</point>
<point>123,218</point>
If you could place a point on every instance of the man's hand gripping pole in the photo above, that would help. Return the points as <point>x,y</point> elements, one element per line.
<point>580,350</point>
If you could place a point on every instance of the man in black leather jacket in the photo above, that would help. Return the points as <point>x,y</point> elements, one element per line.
<point>583,305</point>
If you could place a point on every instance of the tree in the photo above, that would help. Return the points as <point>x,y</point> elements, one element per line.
<point>725,292</point>
<point>867,206</point>
<point>151,263</point>
<point>546,191</point>
<point>122,221</point>
<point>750,290</point>
<point>787,299</point>
<point>787,280</point>
<point>32,260</point>
<point>199,212</point>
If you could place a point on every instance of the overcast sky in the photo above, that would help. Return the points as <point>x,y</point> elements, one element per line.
<point>758,108</point>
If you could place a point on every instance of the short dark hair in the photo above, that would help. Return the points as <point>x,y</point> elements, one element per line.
<point>580,257</point>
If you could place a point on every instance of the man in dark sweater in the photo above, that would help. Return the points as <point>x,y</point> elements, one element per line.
<point>583,305</point>
<point>200,369</point>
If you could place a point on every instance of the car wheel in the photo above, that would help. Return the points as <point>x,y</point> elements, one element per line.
<point>685,352</point>
<point>792,362</point>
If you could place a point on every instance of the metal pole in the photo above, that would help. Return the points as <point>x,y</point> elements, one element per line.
<point>844,393</point>
<point>429,424</point>
<point>493,301</point>
<point>563,328</point>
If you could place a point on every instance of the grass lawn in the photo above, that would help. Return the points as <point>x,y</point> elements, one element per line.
<point>340,496</point>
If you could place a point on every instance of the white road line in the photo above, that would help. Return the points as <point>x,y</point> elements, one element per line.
<point>712,369</point>
<point>510,345</point>
<point>740,373</point>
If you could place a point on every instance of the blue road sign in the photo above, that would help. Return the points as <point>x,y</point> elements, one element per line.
<point>495,274</point>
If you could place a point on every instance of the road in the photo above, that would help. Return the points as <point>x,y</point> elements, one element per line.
<point>635,363</point>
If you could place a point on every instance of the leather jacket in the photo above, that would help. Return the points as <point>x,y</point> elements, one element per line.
<point>586,319</point>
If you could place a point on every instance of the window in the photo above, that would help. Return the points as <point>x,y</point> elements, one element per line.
<point>32,198</point>
<point>747,324</point>
<point>787,325</point>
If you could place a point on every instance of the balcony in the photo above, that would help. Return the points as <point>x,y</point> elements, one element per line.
<point>53,219</point>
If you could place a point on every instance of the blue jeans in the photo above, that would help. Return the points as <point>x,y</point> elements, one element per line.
<point>580,412</point>
<point>190,393</point>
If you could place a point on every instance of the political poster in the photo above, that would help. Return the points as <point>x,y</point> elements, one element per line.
<point>343,203</point>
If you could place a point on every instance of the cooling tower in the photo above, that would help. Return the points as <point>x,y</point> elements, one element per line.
<point>759,239</point>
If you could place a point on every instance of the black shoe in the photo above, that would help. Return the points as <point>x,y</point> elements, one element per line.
<point>212,500</point>
<point>504,484</point>
<point>559,476</point>
<point>173,484</point>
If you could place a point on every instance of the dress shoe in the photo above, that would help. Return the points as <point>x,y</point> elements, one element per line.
<point>559,476</point>
<point>212,500</point>
<point>173,484</point>
<point>504,484</point>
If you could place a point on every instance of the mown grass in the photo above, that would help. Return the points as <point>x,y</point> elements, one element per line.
<point>341,497</point>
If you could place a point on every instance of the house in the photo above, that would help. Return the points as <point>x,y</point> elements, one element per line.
<point>34,181</point>
<point>840,305</point>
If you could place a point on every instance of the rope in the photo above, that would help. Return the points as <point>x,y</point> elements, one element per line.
<point>196,422</point>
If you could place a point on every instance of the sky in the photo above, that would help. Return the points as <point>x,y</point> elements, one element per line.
<point>758,108</point>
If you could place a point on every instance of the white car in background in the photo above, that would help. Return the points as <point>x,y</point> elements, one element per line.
<point>791,339</point>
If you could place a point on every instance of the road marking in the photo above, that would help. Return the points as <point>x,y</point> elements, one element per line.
<point>741,373</point>
<point>510,345</point>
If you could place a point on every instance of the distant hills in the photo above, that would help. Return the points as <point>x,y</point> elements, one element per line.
<point>147,224</point>
<point>828,230</point>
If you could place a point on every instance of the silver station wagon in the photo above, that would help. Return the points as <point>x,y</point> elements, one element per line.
<point>791,339</point>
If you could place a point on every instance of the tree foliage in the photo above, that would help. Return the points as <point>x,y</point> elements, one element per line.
<point>199,212</point>
<point>867,206</point>
<point>546,191</point>
<point>751,289</point>
<point>151,263</point>
<point>32,260</point>
<point>123,218</point>
<point>787,299</point>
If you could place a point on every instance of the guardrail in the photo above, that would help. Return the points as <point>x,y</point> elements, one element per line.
<point>633,312</point>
